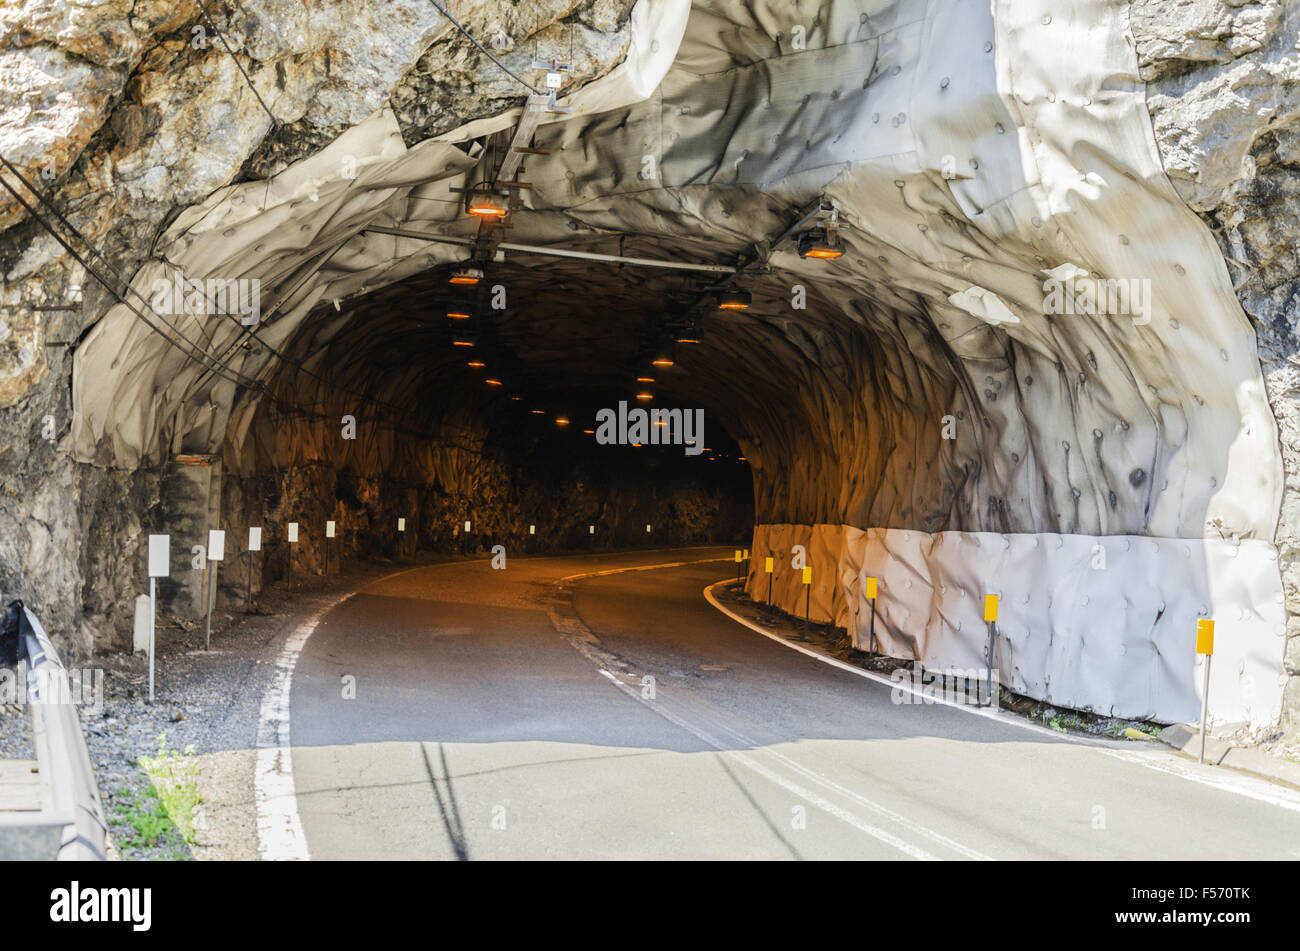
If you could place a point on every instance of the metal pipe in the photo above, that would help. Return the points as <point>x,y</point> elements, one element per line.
<point>1205,707</point>
<point>557,252</point>
<point>993,626</point>
<point>153,602</point>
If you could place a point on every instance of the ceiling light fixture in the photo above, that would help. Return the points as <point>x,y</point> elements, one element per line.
<point>457,315</point>
<point>466,275</point>
<point>491,382</point>
<point>645,379</point>
<point>662,362</point>
<point>645,396</point>
<point>484,203</point>
<point>735,298</point>
<point>561,421</point>
<point>821,243</point>
<point>477,364</point>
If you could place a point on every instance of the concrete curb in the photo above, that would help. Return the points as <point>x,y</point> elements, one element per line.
<point>1186,739</point>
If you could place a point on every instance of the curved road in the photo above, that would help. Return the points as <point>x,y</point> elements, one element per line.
<point>628,718</point>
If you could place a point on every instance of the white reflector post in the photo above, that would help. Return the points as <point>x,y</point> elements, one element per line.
<point>293,532</point>
<point>329,529</point>
<point>159,563</point>
<point>401,524</point>
<point>159,555</point>
<point>255,538</point>
<point>532,529</point>
<point>216,545</point>
<point>467,525</point>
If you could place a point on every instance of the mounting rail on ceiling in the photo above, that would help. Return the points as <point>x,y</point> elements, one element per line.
<point>557,252</point>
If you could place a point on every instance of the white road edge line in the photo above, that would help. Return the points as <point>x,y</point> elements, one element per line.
<point>279,828</point>
<point>985,712</point>
<point>1247,786</point>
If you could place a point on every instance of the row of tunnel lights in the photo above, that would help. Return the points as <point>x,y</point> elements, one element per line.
<point>484,204</point>
<point>821,242</point>
<point>735,299</point>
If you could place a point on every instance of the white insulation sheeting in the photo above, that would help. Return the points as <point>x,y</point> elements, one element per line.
<point>1106,624</point>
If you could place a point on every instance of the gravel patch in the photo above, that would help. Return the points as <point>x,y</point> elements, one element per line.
<point>15,732</point>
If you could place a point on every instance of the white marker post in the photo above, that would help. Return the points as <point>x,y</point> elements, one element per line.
<point>254,544</point>
<point>401,536</point>
<point>1205,647</point>
<point>329,533</point>
<point>216,552</point>
<point>159,567</point>
<point>293,540</point>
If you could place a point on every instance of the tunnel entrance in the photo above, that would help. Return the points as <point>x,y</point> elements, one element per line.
<point>884,263</point>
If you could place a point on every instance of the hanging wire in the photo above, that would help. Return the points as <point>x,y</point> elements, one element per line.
<point>486,52</point>
<point>195,351</point>
<point>275,123</point>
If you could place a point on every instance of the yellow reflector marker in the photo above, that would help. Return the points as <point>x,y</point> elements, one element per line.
<point>990,607</point>
<point>737,556</point>
<point>746,554</point>
<point>807,576</point>
<point>871,588</point>
<point>1205,636</point>
<point>767,565</point>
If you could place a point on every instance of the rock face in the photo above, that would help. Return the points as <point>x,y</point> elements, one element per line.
<point>1062,327</point>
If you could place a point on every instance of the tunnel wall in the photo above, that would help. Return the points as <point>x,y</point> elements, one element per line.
<point>303,469</point>
<point>1133,426</point>
<point>1104,624</point>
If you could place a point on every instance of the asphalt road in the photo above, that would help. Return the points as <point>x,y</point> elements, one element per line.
<point>487,724</point>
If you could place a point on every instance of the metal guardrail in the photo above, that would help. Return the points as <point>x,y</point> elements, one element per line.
<point>70,824</point>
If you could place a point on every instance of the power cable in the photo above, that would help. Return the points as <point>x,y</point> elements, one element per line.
<point>204,358</point>
<point>513,75</point>
<point>195,352</point>
<point>275,123</point>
